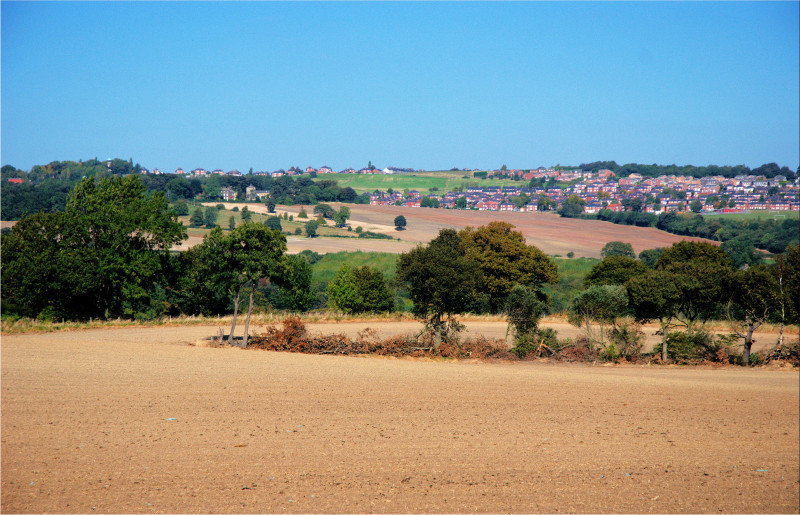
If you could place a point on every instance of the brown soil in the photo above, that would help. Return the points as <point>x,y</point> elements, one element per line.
<point>140,420</point>
<point>548,231</point>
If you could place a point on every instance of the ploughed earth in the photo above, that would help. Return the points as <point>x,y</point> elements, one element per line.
<point>146,420</point>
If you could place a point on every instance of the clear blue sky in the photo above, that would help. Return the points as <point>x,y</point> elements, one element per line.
<point>270,85</point>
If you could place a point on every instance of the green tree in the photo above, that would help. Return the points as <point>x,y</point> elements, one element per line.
<point>399,222</point>
<point>614,270</point>
<point>695,206</point>
<point>742,251</point>
<point>520,201</point>
<point>295,284</point>
<point>543,203</point>
<point>572,207</point>
<point>108,247</point>
<point>601,305</point>
<point>247,215</point>
<point>231,223</point>
<point>655,296</point>
<point>196,220</point>
<point>441,282</point>
<point>617,248</point>
<point>360,290</point>
<point>303,213</point>
<point>274,223</point>
<point>236,261</point>
<point>701,271</point>
<point>210,217</point>
<point>505,260</point>
<point>324,210</point>
<point>461,203</point>
<point>755,296</point>
<point>311,228</point>
<point>341,216</point>
<point>181,208</point>
<point>650,256</point>
<point>524,309</point>
<point>429,202</point>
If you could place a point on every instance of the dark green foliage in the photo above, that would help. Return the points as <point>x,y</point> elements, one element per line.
<point>614,270</point>
<point>103,256</point>
<point>400,222</point>
<point>442,282</point>
<point>429,202</point>
<point>310,256</point>
<point>196,220</point>
<point>787,275</point>
<point>572,207</point>
<point>360,290</point>
<point>341,216</point>
<point>311,228</point>
<point>755,296</point>
<point>274,223</point>
<point>742,251</point>
<point>650,256</point>
<point>181,208</point>
<point>701,273</point>
<point>524,309</point>
<point>296,292</point>
<point>374,235</point>
<point>324,210</point>
<point>210,216</point>
<point>617,248</point>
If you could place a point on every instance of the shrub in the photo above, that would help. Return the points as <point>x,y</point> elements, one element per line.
<point>220,206</point>
<point>235,209</point>
<point>627,336</point>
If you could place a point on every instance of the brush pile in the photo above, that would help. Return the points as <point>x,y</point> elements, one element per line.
<point>292,336</point>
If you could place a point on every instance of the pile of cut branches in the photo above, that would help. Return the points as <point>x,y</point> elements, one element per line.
<point>292,336</point>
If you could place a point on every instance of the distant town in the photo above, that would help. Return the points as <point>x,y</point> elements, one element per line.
<point>547,189</point>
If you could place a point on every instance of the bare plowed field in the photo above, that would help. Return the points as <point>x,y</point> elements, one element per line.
<point>548,231</point>
<point>139,420</point>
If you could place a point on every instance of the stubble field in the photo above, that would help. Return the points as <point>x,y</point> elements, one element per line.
<point>141,420</point>
<point>548,231</point>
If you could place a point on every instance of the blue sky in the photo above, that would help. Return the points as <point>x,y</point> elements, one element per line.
<point>428,85</point>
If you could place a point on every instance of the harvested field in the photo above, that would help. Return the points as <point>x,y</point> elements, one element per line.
<point>548,231</point>
<point>140,420</point>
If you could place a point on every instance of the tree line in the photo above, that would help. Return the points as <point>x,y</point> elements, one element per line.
<point>46,188</point>
<point>768,170</point>
<point>108,255</point>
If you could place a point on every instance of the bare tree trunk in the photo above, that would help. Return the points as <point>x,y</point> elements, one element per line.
<point>748,343</point>
<point>249,310</point>
<point>235,313</point>
<point>664,341</point>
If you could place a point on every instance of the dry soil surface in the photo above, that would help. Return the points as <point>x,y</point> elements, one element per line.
<point>548,231</point>
<point>140,420</point>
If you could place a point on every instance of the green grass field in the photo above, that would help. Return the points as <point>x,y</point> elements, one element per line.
<point>422,182</point>
<point>325,269</point>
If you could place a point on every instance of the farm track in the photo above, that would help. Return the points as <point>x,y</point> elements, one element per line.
<point>139,420</point>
